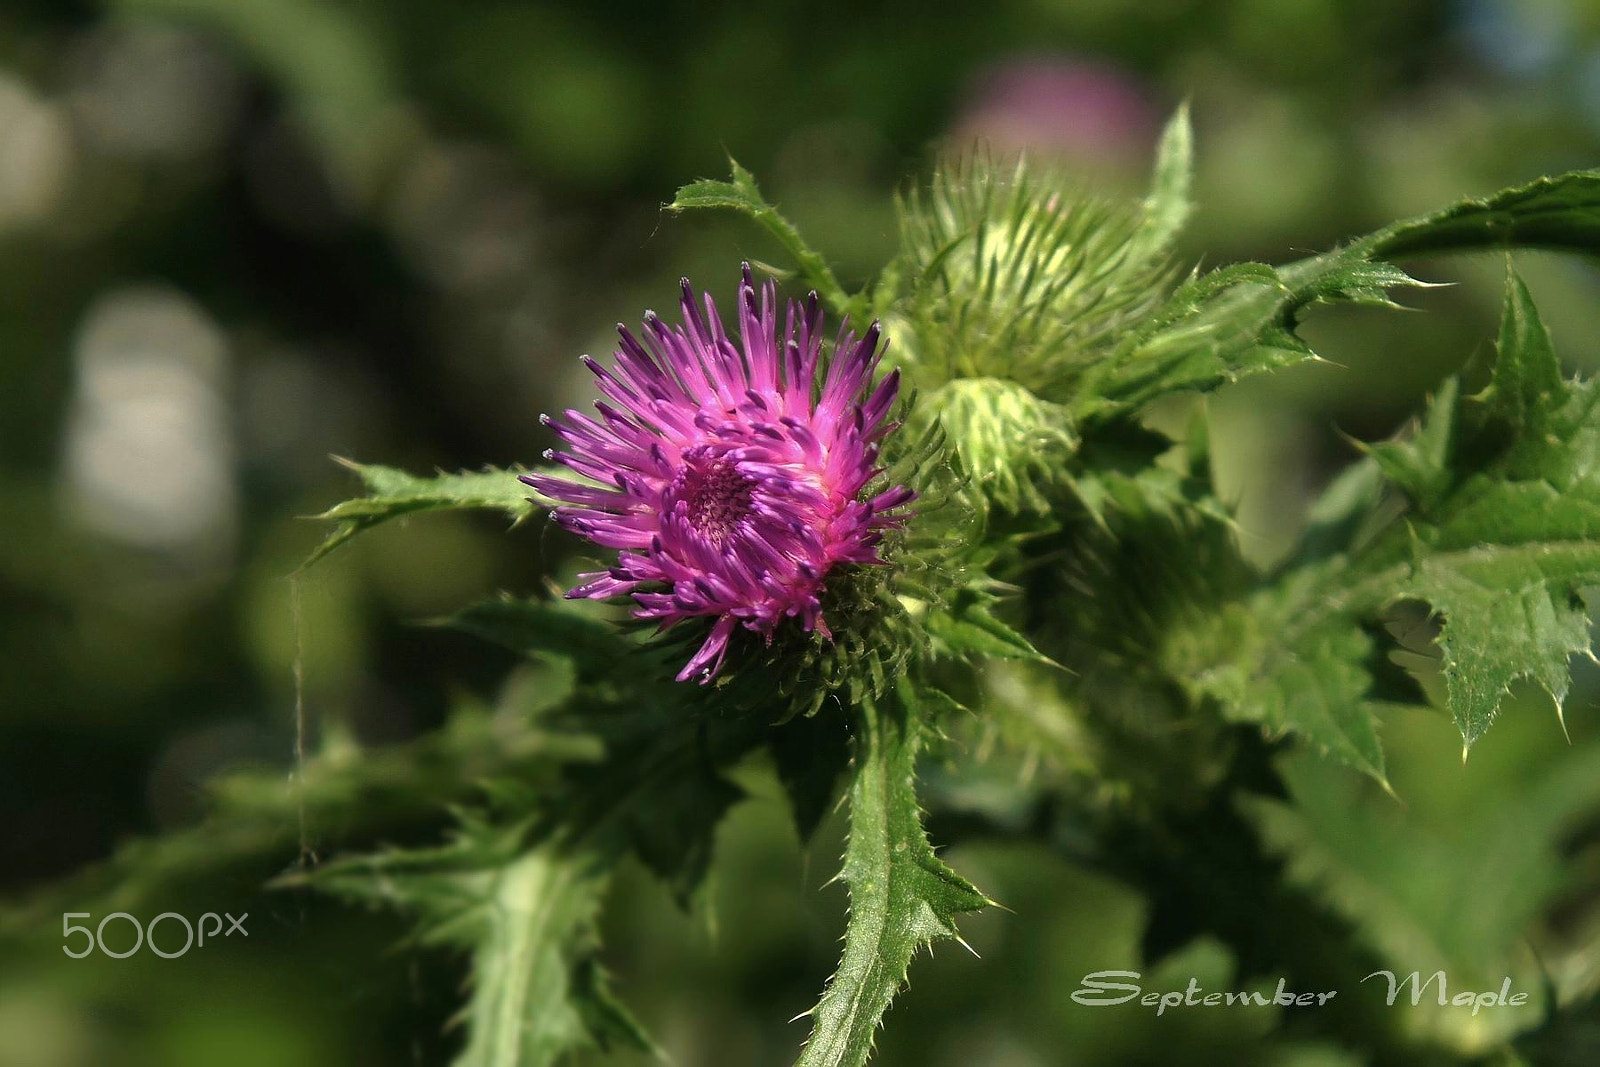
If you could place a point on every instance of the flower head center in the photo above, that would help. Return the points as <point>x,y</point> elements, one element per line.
<point>716,494</point>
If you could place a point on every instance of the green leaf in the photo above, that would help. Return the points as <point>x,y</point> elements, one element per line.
<point>1561,212</point>
<point>741,194</point>
<point>1509,612</point>
<point>260,822</point>
<point>1168,206</point>
<point>1274,660</point>
<point>1548,428</point>
<point>1527,374</point>
<point>1510,550</point>
<point>1241,319</point>
<point>810,753</point>
<point>659,791</point>
<point>1413,882</point>
<point>1157,596</point>
<point>520,890</point>
<point>1236,321</point>
<point>392,493</point>
<point>1419,464</point>
<point>660,786</point>
<point>966,627</point>
<point>593,645</point>
<point>902,896</point>
<point>1500,538</point>
<point>528,918</point>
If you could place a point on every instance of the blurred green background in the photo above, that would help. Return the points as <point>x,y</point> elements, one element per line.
<point>238,236</point>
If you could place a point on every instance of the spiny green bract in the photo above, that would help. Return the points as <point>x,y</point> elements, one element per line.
<point>1003,274</point>
<point>1014,447</point>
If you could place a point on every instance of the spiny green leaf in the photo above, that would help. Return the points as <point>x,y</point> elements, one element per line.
<point>1505,491</point>
<point>1413,881</point>
<point>392,493</point>
<point>810,753</point>
<point>529,920</point>
<point>1419,463</point>
<point>1527,374</point>
<point>340,799</point>
<point>1273,660</point>
<point>596,647</point>
<point>1487,511</point>
<point>1505,560</point>
<point>1160,592</point>
<point>967,627</point>
<point>1561,212</point>
<point>741,194</point>
<point>1237,321</point>
<point>519,889</point>
<point>1549,428</point>
<point>902,896</point>
<point>1241,319</point>
<point>1509,612</point>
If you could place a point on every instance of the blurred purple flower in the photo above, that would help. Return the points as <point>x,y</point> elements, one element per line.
<point>1059,106</point>
<point>729,474</point>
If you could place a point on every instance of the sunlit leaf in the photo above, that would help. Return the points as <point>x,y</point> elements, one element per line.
<point>393,493</point>
<point>902,896</point>
<point>1561,212</point>
<point>528,920</point>
<point>741,194</point>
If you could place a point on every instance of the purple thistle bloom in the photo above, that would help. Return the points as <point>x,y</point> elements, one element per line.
<point>729,473</point>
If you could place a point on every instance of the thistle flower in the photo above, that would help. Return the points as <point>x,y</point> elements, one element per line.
<point>730,475</point>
